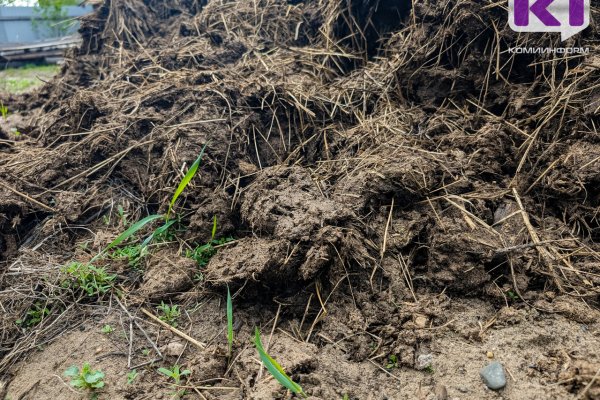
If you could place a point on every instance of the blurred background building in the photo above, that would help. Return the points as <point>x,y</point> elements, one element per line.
<point>39,32</point>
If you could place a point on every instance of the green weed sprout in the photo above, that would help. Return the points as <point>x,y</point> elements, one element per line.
<point>132,253</point>
<point>131,376</point>
<point>229,323</point>
<point>160,232</point>
<point>185,181</point>
<point>202,254</point>
<point>170,313</point>
<point>214,229</point>
<point>86,378</point>
<point>92,280</point>
<point>122,214</point>
<point>106,329</point>
<point>274,368</point>
<point>392,362</point>
<point>175,373</point>
<point>128,233</point>
<point>34,315</point>
<point>3,110</point>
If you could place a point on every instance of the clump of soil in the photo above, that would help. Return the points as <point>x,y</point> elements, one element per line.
<point>383,183</point>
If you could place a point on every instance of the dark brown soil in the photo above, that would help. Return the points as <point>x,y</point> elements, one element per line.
<point>391,181</point>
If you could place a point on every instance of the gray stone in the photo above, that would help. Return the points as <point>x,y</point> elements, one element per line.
<point>424,361</point>
<point>493,376</point>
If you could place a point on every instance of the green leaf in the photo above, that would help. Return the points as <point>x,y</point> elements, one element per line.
<point>166,372</point>
<point>98,385</point>
<point>185,372</point>
<point>185,181</point>
<point>94,377</point>
<point>131,376</point>
<point>132,230</point>
<point>72,371</point>
<point>229,321</point>
<point>214,229</point>
<point>160,230</point>
<point>78,383</point>
<point>128,233</point>
<point>274,368</point>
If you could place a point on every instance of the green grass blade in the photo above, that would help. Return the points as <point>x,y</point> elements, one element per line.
<point>214,229</point>
<point>274,368</point>
<point>185,181</point>
<point>166,372</point>
<point>229,322</point>
<point>128,233</point>
<point>132,230</point>
<point>160,230</point>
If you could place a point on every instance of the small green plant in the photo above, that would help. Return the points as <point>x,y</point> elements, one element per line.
<point>131,375</point>
<point>133,254</point>
<point>15,132</point>
<point>122,215</point>
<point>36,314</point>
<point>3,111</point>
<point>128,233</point>
<point>274,368</point>
<point>146,352</point>
<point>106,329</point>
<point>176,374</point>
<point>229,324</point>
<point>132,230</point>
<point>429,369</point>
<point>392,362</point>
<point>202,254</point>
<point>162,234</point>
<point>512,295</point>
<point>86,378</point>
<point>185,181</point>
<point>94,281</point>
<point>170,314</point>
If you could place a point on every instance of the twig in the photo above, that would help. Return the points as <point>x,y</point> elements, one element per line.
<point>34,201</point>
<point>384,370</point>
<point>588,386</point>
<point>154,346</point>
<point>174,330</point>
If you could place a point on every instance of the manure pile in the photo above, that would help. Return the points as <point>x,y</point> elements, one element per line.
<point>389,194</point>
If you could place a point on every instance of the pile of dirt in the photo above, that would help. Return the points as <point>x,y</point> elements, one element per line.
<point>389,182</point>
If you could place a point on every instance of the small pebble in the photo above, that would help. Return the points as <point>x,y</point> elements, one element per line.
<point>493,376</point>
<point>421,321</point>
<point>490,354</point>
<point>173,349</point>
<point>424,361</point>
